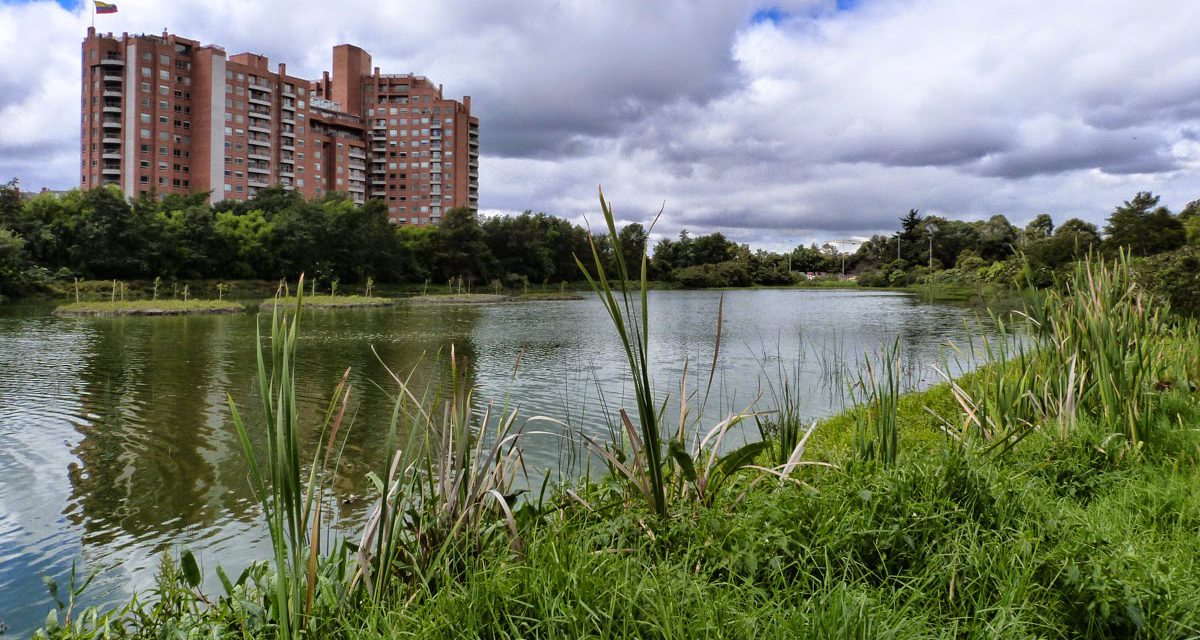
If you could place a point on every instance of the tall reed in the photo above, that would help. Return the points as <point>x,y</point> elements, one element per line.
<point>876,426</point>
<point>290,498</point>
<point>446,488</point>
<point>1107,329</point>
<point>630,316</point>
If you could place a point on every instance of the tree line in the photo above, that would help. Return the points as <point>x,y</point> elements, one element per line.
<point>100,234</point>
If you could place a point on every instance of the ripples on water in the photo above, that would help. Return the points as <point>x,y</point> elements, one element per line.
<point>115,440</point>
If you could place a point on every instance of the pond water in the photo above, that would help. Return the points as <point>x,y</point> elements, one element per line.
<point>116,442</point>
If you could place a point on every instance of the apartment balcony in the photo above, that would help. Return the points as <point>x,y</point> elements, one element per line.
<point>436,179</point>
<point>286,172</point>
<point>256,183</point>
<point>259,142</point>
<point>357,153</point>
<point>378,170</point>
<point>378,137</point>
<point>356,188</point>
<point>112,62</point>
<point>285,92</point>
<point>357,166</point>
<point>287,119</point>
<point>111,155</point>
<point>261,115</point>
<point>378,193</point>
<point>263,169</point>
<point>110,123</point>
<point>112,78</point>
<point>259,101</point>
<point>258,128</point>
<point>262,86</point>
<point>112,93</point>
<point>111,171</point>
<point>473,173</point>
<point>255,155</point>
<point>287,146</point>
<point>111,140</point>
<point>112,108</point>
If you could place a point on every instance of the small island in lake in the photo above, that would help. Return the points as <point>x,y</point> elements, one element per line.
<point>334,302</point>
<point>147,307</point>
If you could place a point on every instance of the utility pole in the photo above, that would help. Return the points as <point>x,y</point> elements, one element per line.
<point>932,228</point>
<point>843,252</point>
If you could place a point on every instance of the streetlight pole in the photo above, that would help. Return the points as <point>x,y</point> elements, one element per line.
<point>931,228</point>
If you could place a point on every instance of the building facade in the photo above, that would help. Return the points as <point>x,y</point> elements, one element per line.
<point>165,114</point>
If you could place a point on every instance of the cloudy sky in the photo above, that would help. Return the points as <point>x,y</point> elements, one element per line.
<point>774,122</point>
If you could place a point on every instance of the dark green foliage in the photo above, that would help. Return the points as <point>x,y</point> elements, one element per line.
<point>1175,277</point>
<point>1143,227</point>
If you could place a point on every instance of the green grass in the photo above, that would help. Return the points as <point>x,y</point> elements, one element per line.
<point>332,302</point>
<point>458,298</point>
<point>148,307</point>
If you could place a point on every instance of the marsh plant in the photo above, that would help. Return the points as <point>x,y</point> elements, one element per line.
<point>1103,350</point>
<point>447,488</point>
<point>876,426</point>
<point>289,487</point>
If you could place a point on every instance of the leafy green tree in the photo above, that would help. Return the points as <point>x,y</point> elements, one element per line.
<point>189,242</point>
<point>461,250</point>
<point>997,238</point>
<point>1040,228</point>
<point>415,248</point>
<point>909,236</point>
<point>634,239</point>
<point>12,261</point>
<point>113,239</point>
<point>242,246</point>
<point>1143,227</point>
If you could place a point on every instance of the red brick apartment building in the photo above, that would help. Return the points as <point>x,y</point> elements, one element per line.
<point>164,113</point>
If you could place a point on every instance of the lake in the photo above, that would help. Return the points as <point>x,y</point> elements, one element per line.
<point>116,442</point>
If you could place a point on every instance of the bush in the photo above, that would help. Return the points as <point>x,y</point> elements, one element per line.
<point>730,273</point>
<point>1175,277</point>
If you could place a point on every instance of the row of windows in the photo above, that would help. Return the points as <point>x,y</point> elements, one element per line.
<point>398,110</point>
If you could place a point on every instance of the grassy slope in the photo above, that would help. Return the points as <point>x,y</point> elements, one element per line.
<point>1061,539</point>
<point>148,307</point>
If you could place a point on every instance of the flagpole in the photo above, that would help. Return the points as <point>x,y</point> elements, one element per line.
<point>93,15</point>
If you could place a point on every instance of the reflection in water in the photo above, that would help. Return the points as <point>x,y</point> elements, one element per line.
<point>117,444</point>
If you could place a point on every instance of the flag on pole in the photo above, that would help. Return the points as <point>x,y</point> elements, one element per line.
<point>105,7</point>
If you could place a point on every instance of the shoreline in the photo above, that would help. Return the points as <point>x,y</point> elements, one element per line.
<point>147,308</point>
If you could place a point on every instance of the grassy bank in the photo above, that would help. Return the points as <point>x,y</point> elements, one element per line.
<point>338,302</point>
<point>1050,494</point>
<point>147,307</point>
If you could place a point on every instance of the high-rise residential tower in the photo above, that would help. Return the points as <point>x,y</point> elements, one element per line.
<point>165,114</point>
